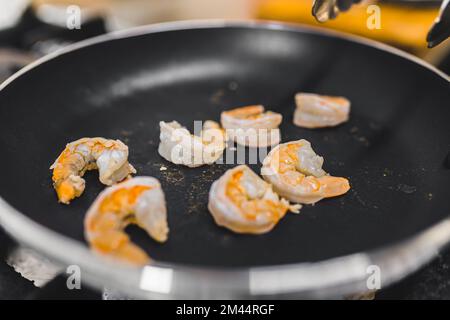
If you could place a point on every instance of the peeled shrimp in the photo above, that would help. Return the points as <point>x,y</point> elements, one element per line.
<point>296,173</point>
<point>179,146</point>
<point>244,203</point>
<point>110,157</point>
<point>251,126</point>
<point>316,111</point>
<point>139,200</point>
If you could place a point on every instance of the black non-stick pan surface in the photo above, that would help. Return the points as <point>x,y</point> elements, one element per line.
<point>392,149</point>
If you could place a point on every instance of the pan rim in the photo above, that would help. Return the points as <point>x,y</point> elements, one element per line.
<point>220,23</point>
<point>349,272</point>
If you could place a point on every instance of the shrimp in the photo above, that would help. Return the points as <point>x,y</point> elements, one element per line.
<point>315,111</point>
<point>110,157</point>
<point>296,173</point>
<point>179,146</point>
<point>244,203</point>
<point>139,200</point>
<point>251,126</point>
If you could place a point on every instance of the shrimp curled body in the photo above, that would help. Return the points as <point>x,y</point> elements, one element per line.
<point>139,200</point>
<point>316,111</point>
<point>110,157</point>
<point>296,173</point>
<point>179,146</point>
<point>244,203</point>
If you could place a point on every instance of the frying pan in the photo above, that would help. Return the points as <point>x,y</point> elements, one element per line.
<point>393,150</point>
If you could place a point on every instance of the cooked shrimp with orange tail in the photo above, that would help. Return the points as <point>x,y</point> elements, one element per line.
<point>252,126</point>
<point>296,173</point>
<point>110,157</point>
<point>316,111</point>
<point>244,203</point>
<point>140,201</point>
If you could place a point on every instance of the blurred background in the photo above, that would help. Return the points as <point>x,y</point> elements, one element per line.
<point>32,28</point>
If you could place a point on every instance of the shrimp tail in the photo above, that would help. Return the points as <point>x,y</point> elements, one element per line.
<point>118,245</point>
<point>70,188</point>
<point>334,186</point>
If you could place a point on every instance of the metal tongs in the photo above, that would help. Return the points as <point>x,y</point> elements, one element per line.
<point>324,10</point>
<point>440,30</point>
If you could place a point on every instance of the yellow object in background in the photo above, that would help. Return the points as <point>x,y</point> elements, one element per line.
<point>401,25</point>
